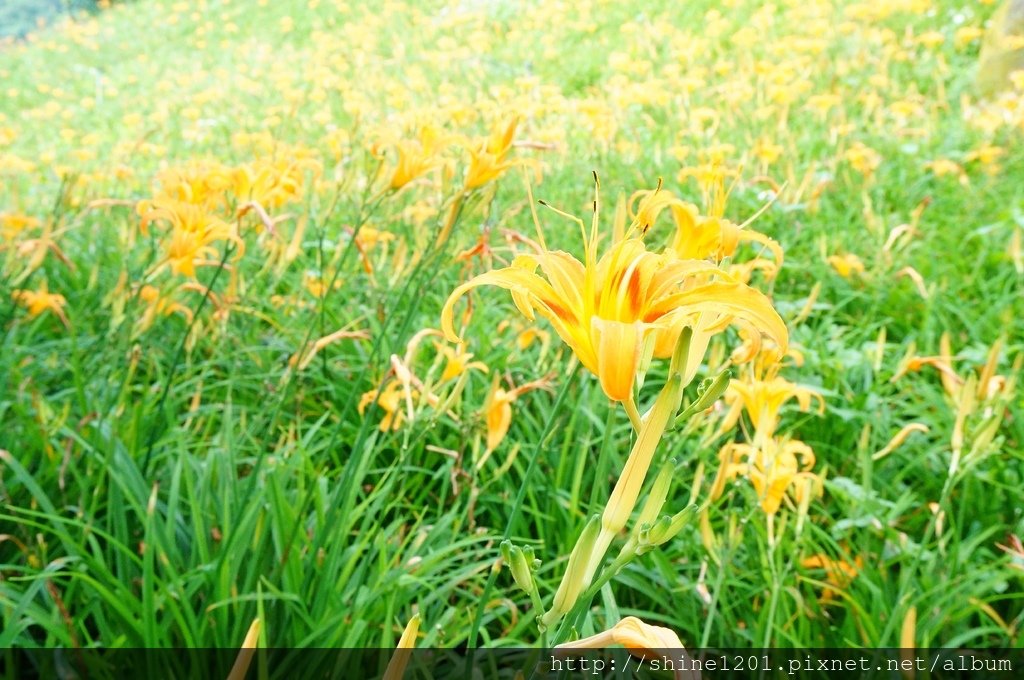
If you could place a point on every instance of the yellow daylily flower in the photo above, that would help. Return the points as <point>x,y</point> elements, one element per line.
<point>403,387</point>
<point>488,162</point>
<point>762,393</point>
<point>366,239</point>
<point>773,467</point>
<point>610,310</point>
<point>41,300</point>
<point>498,408</point>
<point>199,182</point>
<point>417,157</point>
<point>863,158</point>
<point>943,166</point>
<point>838,573</point>
<point>633,634</point>
<point>158,304</point>
<point>458,361</point>
<point>275,181</point>
<point>527,335</point>
<point>389,399</point>
<point>13,224</point>
<point>846,265</point>
<point>711,236</point>
<point>193,232</point>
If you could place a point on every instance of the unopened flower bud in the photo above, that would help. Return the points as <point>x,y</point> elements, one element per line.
<point>658,493</point>
<point>666,528</point>
<point>574,580</point>
<point>520,562</point>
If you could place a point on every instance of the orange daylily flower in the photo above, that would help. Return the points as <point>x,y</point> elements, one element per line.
<point>193,232</point>
<point>698,236</point>
<point>775,468</point>
<point>158,304</point>
<point>846,265</point>
<point>458,361</point>
<point>612,310</point>
<point>762,394</point>
<point>417,157</point>
<point>498,408</point>
<point>838,573</point>
<point>489,162</point>
<point>42,300</point>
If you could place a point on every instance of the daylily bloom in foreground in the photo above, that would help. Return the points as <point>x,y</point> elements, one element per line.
<point>630,302</point>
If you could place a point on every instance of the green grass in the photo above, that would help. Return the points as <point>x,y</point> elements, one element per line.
<point>165,488</point>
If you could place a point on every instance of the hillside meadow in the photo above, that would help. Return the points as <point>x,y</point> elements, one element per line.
<point>511,324</point>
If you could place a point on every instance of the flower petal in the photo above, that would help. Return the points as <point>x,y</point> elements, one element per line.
<point>734,299</point>
<point>619,346</point>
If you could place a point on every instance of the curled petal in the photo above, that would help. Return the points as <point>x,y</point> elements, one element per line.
<point>734,299</point>
<point>516,279</point>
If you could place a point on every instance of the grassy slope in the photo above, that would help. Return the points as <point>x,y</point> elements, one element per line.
<point>273,497</point>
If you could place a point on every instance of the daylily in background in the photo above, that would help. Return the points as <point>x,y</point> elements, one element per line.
<point>42,300</point>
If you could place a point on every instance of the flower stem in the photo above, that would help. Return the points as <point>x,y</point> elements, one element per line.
<point>633,413</point>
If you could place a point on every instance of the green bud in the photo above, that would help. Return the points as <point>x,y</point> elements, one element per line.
<point>668,527</point>
<point>646,356</point>
<point>708,392</point>
<point>574,579</point>
<point>650,533</point>
<point>681,354</point>
<point>520,562</point>
<point>658,493</point>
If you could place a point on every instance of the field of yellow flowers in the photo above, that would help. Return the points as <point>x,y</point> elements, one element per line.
<point>511,323</point>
